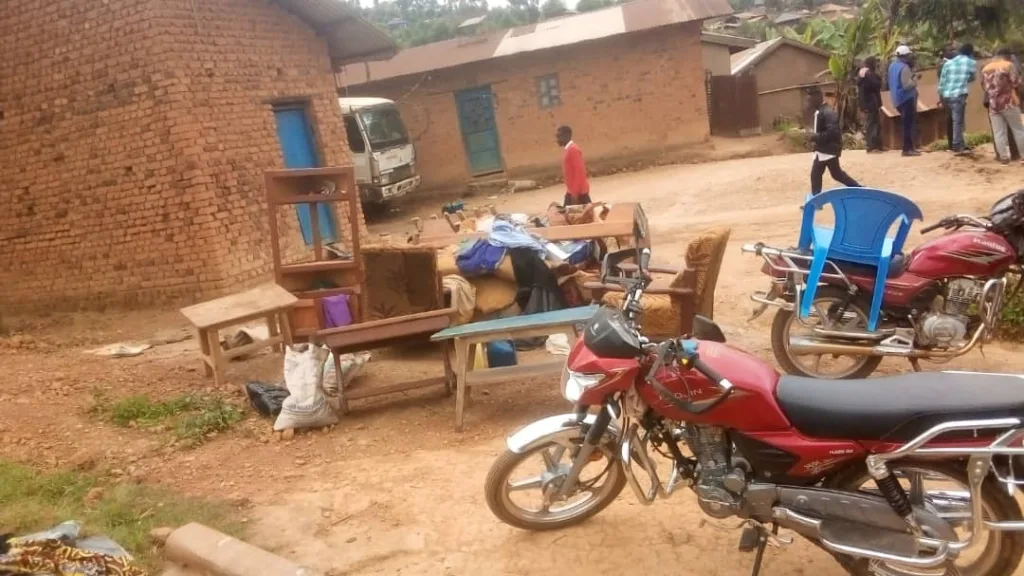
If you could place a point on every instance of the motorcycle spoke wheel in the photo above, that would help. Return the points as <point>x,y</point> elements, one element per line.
<point>522,488</point>
<point>788,325</point>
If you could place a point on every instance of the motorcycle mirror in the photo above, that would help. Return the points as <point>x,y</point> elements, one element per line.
<point>706,329</point>
<point>612,260</point>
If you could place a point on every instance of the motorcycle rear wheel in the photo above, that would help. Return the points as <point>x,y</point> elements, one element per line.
<point>1003,551</point>
<point>855,318</point>
<point>498,488</point>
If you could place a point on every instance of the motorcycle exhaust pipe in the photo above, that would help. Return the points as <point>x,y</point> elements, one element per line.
<point>803,346</point>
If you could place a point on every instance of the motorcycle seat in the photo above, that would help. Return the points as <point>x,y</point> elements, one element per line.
<point>897,266</point>
<point>896,408</point>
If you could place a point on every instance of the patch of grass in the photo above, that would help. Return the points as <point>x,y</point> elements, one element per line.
<point>31,501</point>
<point>975,139</point>
<point>191,418</point>
<point>1011,321</point>
<point>972,139</point>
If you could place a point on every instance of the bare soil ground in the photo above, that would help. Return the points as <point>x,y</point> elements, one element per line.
<point>393,489</point>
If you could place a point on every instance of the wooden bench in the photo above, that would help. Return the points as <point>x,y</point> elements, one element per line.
<point>468,336</point>
<point>382,334</point>
<point>269,302</point>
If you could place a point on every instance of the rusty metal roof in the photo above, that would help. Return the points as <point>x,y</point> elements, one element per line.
<point>631,17</point>
<point>349,36</point>
<point>751,57</point>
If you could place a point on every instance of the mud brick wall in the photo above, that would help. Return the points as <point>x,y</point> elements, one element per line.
<point>134,135</point>
<point>625,96</point>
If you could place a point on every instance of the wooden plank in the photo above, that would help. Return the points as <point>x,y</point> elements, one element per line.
<point>321,266</point>
<point>252,347</point>
<point>519,372</point>
<point>388,321</point>
<point>375,336</point>
<point>311,198</point>
<point>515,324</point>
<point>369,392</point>
<point>237,308</point>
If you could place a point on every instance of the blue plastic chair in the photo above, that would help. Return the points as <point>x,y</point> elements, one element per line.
<point>863,217</point>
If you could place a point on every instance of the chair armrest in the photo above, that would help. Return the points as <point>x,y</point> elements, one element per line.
<point>597,286</point>
<point>657,269</point>
<point>669,291</point>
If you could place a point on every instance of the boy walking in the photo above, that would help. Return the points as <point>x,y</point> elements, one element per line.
<point>574,171</point>
<point>828,143</point>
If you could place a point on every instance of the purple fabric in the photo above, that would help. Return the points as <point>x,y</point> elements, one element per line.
<point>336,311</point>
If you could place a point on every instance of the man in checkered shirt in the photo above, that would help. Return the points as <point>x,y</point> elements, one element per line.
<point>957,74</point>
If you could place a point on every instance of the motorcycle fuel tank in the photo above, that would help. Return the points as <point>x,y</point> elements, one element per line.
<point>963,253</point>
<point>752,406</point>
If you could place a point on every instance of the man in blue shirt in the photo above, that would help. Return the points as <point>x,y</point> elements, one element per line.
<point>903,91</point>
<point>956,75</point>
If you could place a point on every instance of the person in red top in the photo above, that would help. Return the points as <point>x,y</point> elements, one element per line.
<point>574,171</point>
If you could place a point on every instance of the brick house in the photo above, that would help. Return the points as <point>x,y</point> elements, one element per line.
<point>135,134</point>
<point>783,68</point>
<point>629,79</point>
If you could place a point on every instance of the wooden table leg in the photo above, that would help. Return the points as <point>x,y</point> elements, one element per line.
<point>272,330</point>
<point>448,351</point>
<point>342,399</point>
<point>204,346</point>
<point>216,355</point>
<point>462,361</point>
<point>286,327</point>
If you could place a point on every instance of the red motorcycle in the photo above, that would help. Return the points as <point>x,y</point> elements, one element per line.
<point>941,301</point>
<point>916,482</point>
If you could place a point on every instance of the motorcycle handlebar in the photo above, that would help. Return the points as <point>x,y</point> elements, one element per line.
<point>936,226</point>
<point>668,350</point>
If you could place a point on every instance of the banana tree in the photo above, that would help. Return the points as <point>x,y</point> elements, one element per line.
<point>854,40</point>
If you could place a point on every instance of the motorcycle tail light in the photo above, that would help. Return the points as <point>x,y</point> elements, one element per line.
<point>575,383</point>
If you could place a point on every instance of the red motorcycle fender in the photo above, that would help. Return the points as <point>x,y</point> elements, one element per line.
<point>554,429</point>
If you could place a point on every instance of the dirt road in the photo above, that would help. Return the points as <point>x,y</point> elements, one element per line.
<point>394,489</point>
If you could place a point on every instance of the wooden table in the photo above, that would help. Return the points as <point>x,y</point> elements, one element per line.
<point>468,336</point>
<point>270,302</point>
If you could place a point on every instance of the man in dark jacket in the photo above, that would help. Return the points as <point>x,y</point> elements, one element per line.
<point>869,88</point>
<point>827,137</point>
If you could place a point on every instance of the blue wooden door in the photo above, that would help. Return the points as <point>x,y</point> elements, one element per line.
<point>479,130</point>
<point>298,146</point>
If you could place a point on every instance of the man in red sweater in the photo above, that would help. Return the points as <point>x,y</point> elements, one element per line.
<point>574,171</point>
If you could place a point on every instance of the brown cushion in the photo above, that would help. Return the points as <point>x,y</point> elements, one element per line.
<point>493,294</point>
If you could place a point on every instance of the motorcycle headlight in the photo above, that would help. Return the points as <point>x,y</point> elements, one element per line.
<point>575,383</point>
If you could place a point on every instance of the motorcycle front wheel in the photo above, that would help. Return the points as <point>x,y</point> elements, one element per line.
<point>520,488</point>
<point>823,311</point>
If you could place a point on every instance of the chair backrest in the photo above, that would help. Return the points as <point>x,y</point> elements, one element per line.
<point>704,257</point>
<point>863,217</point>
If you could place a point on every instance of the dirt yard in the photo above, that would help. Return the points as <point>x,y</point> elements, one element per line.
<point>393,489</point>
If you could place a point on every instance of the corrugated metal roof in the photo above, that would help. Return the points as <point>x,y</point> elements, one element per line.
<point>631,17</point>
<point>747,59</point>
<point>349,37</point>
<point>727,40</point>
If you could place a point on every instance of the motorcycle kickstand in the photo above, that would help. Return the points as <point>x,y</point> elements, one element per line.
<point>915,364</point>
<point>761,533</point>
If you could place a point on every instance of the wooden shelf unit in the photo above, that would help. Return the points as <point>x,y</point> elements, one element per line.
<point>306,280</point>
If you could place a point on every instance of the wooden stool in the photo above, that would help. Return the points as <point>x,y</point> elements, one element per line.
<point>270,302</point>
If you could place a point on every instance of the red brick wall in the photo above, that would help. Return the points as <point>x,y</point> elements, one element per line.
<point>625,96</point>
<point>135,137</point>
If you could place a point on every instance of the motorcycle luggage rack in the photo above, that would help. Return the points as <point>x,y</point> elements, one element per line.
<point>936,551</point>
<point>1008,443</point>
<point>791,258</point>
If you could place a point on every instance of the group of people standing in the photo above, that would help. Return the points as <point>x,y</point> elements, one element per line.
<point>1001,81</point>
